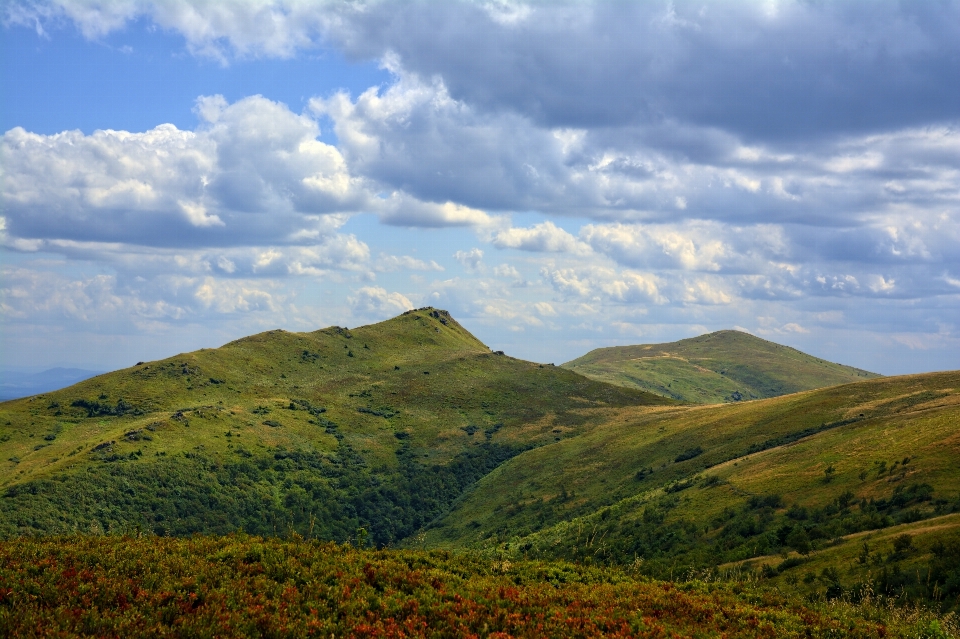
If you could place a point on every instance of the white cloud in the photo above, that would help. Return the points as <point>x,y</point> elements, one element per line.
<point>40,296</point>
<point>254,173</point>
<point>835,196</point>
<point>377,302</point>
<point>506,270</point>
<point>226,296</point>
<point>415,139</point>
<point>604,284</point>
<point>770,326</point>
<point>703,292</point>
<point>793,327</point>
<point>225,264</point>
<point>402,210</point>
<point>472,260</point>
<point>880,284</point>
<point>695,246</point>
<point>405,262</point>
<point>517,315</point>
<point>889,64</point>
<point>543,237</point>
<point>545,308</point>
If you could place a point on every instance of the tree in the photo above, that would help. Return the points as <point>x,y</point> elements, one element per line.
<point>799,540</point>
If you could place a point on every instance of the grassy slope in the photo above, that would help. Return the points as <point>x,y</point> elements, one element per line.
<point>871,559</point>
<point>711,368</point>
<point>616,492</point>
<point>215,426</point>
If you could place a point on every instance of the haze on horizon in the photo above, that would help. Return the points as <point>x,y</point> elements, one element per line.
<point>559,176</point>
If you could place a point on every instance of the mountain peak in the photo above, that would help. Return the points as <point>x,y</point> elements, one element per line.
<point>723,366</point>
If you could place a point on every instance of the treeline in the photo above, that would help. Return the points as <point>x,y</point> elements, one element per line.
<point>666,546</point>
<point>278,493</point>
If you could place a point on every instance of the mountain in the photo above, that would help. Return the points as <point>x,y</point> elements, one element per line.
<point>725,366</point>
<point>16,384</point>
<point>412,433</point>
<point>380,427</point>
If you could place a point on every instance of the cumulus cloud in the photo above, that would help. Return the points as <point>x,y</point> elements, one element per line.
<point>219,31</point>
<point>336,252</point>
<point>415,138</point>
<point>820,68</point>
<point>545,308</point>
<point>254,172</point>
<point>377,302</point>
<point>509,271</point>
<point>405,262</point>
<point>472,260</point>
<point>42,296</point>
<point>231,296</point>
<point>604,284</point>
<point>695,247</point>
<point>448,163</point>
<point>731,159</point>
<point>402,210</point>
<point>543,237</point>
<point>702,291</point>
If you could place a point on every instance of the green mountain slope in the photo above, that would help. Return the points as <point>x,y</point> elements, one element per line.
<point>691,488</point>
<point>379,427</point>
<point>718,367</point>
<point>412,433</point>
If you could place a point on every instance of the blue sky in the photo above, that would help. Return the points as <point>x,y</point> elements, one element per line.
<point>560,176</point>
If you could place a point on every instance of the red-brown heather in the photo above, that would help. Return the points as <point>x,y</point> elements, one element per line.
<point>247,586</point>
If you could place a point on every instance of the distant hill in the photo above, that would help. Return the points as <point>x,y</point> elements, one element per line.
<point>725,366</point>
<point>14,385</point>
<point>379,427</point>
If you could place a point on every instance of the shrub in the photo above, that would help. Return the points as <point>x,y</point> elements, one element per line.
<point>690,453</point>
<point>902,543</point>
<point>765,501</point>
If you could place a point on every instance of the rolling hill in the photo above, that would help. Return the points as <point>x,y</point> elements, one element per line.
<point>412,433</point>
<point>724,366</point>
<point>379,427</point>
<point>685,488</point>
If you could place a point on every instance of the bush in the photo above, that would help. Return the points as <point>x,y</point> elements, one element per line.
<point>902,543</point>
<point>690,453</point>
<point>765,501</point>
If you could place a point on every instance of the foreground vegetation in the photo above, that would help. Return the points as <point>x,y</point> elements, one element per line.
<point>242,586</point>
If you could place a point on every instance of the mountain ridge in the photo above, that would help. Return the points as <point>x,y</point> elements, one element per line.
<point>723,366</point>
<point>379,426</point>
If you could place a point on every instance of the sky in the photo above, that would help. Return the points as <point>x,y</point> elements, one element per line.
<point>560,176</point>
